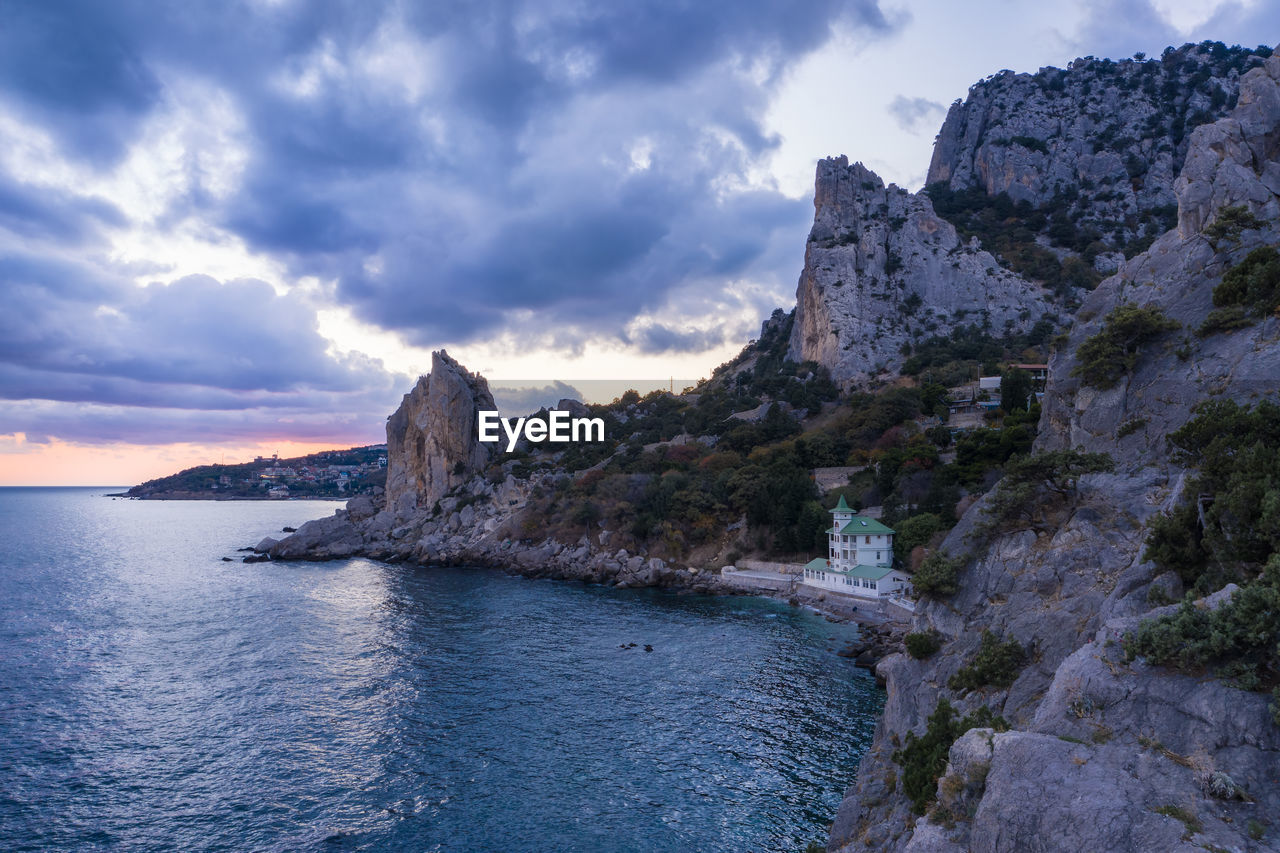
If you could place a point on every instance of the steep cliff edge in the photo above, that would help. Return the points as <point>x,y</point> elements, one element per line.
<point>1100,753</point>
<point>431,437</point>
<point>882,271</point>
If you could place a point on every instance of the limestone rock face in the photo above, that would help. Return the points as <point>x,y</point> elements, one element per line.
<point>1235,161</point>
<point>1103,139</point>
<point>1104,753</point>
<point>431,438</point>
<point>882,269</point>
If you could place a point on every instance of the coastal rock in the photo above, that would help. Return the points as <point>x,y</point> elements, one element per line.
<point>883,270</point>
<point>321,539</point>
<point>432,445</point>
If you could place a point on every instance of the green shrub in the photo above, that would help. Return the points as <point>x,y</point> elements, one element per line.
<point>937,576</point>
<point>1115,350</point>
<point>1254,283</point>
<point>924,759</point>
<point>995,664</point>
<point>1031,143</point>
<point>1032,484</point>
<point>1010,230</point>
<point>1229,525</point>
<point>1229,222</point>
<point>1226,319</point>
<point>1174,541</point>
<point>1130,426</point>
<point>1239,641</point>
<point>1189,820</point>
<point>913,531</point>
<point>922,644</point>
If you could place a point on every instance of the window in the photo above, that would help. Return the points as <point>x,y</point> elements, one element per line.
<point>877,555</point>
<point>868,542</point>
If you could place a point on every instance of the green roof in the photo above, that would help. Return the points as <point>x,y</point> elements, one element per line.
<point>865,525</point>
<point>842,506</point>
<point>871,573</point>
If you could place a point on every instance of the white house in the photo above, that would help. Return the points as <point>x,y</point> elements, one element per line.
<point>859,558</point>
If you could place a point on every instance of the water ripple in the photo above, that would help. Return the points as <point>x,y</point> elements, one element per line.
<point>154,697</point>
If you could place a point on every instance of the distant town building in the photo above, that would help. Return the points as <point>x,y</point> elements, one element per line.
<point>859,558</point>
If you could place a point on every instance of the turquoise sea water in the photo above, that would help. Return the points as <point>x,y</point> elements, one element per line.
<point>154,697</point>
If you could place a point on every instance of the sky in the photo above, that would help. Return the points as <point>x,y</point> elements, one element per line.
<point>232,228</point>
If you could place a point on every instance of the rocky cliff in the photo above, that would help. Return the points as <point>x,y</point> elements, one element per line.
<point>1100,140</point>
<point>1050,180</point>
<point>1102,753</point>
<point>431,437</point>
<point>882,270</point>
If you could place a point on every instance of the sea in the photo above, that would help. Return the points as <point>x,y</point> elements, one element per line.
<point>156,696</point>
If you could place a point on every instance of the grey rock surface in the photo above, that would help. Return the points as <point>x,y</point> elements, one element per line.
<point>1110,135</point>
<point>882,269</point>
<point>431,438</point>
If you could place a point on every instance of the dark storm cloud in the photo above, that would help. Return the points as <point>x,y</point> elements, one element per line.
<point>349,172</point>
<point>448,171</point>
<point>237,335</point>
<point>38,212</point>
<point>659,338</point>
<point>73,68</point>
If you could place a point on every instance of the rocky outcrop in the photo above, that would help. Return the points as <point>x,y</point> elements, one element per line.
<point>1103,753</point>
<point>451,500</point>
<point>431,439</point>
<point>882,271</point>
<point>1100,140</point>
